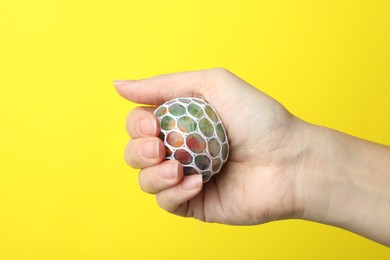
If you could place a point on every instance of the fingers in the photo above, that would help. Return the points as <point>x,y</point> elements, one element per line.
<point>161,88</point>
<point>159,177</point>
<point>172,198</point>
<point>142,123</point>
<point>167,181</point>
<point>144,152</point>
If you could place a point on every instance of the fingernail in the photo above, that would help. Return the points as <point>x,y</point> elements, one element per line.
<point>150,150</point>
<point>192,182</point>
<point>167,171</point>
<point>146,126</point>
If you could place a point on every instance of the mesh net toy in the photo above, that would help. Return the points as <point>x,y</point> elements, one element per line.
<point>194,135</point>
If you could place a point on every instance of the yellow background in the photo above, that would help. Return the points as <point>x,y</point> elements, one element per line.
<point>65,190</point>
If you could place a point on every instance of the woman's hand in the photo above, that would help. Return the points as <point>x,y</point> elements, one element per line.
<point>258,182</point>
<point>279,166</point>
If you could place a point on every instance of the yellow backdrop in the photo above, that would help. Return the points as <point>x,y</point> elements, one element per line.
<point>65,190</point>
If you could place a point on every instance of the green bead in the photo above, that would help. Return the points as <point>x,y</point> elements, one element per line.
<point>224,151</point>
<point>195,110</point>
<point>220,133</point>
<point>202,162</point>
<point>214,147</point>
<point>216,164</point>
<point>210,112</point>
<point>167,123</point>
<point>177,110</point>
<point>186,124</point>
<point>206,127</point>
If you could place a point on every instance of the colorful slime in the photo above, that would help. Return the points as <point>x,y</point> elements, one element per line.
<point>194,135</point>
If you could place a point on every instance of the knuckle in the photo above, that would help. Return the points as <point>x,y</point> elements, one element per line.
<point>223,72</point>
<point>216,77</point>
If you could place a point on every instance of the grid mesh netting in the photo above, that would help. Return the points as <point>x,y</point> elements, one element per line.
<point>194,135</point>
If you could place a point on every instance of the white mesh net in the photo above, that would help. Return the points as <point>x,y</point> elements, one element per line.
<point>193,134</point>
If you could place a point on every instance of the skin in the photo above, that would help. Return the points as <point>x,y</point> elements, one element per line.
<point>279,167</point>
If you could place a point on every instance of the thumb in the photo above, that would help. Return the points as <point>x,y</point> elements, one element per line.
<point>158,89</point>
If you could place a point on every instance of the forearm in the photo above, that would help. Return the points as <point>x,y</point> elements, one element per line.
<point>346,183</point>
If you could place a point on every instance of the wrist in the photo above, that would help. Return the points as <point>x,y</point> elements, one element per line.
<point>311,188</point>
<point>344,181</point>
<point>314,185</point>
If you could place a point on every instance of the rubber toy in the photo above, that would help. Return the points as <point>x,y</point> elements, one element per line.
<point>194,135</point>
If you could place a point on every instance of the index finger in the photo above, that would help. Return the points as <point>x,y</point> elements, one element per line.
<point>159,89</point>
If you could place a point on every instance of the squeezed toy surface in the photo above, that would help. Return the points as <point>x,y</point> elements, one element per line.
<point>193,134</point>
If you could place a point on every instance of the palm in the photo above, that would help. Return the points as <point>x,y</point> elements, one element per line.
<point>253,186</point>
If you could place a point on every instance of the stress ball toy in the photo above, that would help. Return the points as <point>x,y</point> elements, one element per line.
<point>194,135</point>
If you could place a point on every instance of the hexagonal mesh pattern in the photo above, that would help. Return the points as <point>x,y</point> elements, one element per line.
<point>193,134</point>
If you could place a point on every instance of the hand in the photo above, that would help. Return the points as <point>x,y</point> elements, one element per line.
<point>258,182</point>
<point>279,166</point>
